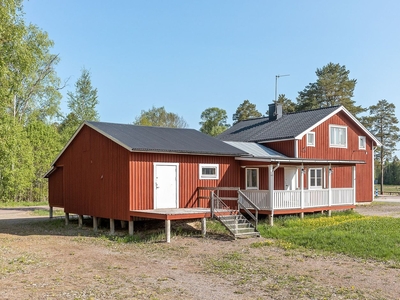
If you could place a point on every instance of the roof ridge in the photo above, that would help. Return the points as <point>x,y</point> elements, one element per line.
<point>143,126</point>
<point>315,109</point>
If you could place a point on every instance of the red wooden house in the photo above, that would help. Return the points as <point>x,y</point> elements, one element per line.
<point>308,161</point>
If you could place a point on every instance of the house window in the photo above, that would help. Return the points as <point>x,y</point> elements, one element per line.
<point>315,178</point>
<point>208,171</point>
<point>252,179</point>
<point>362,143</point>
<point>311,139</point>
<point>338,136</point>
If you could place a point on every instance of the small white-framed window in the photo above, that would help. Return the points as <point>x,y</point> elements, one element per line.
<point>315,178</point>
<point>362,142</point>
<point>311,139</point>
<point>251,178</point>
<point>337,136</point>
<point>209,171</point>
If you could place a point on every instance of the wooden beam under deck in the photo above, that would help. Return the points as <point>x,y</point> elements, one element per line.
<point>172,213</point>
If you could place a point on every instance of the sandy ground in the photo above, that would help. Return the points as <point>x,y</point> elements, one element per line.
<point>42,259</point>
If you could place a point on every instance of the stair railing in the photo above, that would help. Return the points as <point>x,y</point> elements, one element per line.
<point>244,202</point>
<point>218,205</point>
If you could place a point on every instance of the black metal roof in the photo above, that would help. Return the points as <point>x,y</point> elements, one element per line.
<point>162,139</point>
<point>287,127</point>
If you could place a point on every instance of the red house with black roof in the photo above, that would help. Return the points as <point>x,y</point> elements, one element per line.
<point>295,163</point>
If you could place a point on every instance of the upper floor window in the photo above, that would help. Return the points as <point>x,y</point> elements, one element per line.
<point>338,136</point>
<point>311,139</point>
<point>362,143</point>
<point>208,171</point>
<point>252,179</point>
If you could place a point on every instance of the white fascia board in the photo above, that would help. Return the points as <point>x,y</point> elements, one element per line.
<point>273,141</point>
<point>299,160</point>
<point>340,108</point>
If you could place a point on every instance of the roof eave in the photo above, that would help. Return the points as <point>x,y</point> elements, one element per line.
<point>301,160</point>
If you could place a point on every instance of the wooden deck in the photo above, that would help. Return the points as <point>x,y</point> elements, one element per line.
<point>172,213</point>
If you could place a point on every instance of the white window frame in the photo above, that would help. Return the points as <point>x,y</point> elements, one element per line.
<point>209,176</point>
<point>337,145</point>
<point>258,179</point>
<point>311,142</point>
<point>315,186</point>
<point>362,142</point>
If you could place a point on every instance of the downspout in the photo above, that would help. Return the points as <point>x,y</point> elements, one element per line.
<point>276,167</point>
<point>373,172</point>
<point>296,148</point>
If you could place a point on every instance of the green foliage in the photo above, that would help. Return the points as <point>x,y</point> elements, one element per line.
<point>246,110</point>
<point>159,117</point>
<point>333,87</point>
<point>382,123</point>
<point>16,160</point>
<point>288,106</point>
<point>347,233</point>
<point>213,121</point>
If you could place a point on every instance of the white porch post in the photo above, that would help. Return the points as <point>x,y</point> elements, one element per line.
<point>354,183</point>
<point>271,180</point>
<point>302,187</point>
<point>330,186</point>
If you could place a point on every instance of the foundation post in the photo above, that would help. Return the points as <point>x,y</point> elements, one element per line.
<point>203,227</point>
<point>131,227</point>
<point>95,224</point>
<point>329,213</point>
<point>66,219</point>
<point>112,226</point>
<point>51,212</point>
<point>80,221</point>
<point>168,230</point>
<point>123,224</point>
<point>271,219</point>
<point>302,215</point>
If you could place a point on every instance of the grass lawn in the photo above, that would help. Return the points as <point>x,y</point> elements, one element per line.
<point>22,204</point>
<point>346,232</point>
<point>388,188</point>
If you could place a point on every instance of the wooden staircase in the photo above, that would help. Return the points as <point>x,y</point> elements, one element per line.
<point>238,225</point>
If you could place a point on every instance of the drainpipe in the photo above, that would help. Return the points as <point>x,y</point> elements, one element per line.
<point>276,167</point>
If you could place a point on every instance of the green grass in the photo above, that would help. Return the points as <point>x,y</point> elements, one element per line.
<point>347,233</point>
<point>388,188</point>
<point>22,204</point>
<point>45,212</point>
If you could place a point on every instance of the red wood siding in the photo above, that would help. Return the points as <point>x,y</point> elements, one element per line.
<point>342,175</point>
<point>284,147</point>
<point>56,194</point>
<point>142,181</point>
<point>96,176</point>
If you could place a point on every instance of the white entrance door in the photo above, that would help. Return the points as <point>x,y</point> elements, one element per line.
<point>290,179</point>
<point>166,185</point>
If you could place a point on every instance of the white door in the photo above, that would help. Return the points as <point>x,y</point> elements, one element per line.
<point>290,179</point>
<point>166,185</point>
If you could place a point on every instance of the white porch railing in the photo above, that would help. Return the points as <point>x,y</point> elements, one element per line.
<point>283,199</point>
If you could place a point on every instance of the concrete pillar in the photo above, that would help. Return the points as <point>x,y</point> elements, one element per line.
<point>203,227</point>
<point>329,213</point>
<point>51,212</point>
<point>112,226</point>
<point>271,219</point>
<point>168,230</point>
<point>302,215</point>
<point>131,227</point>
<point>66,219</point>
<point>80,221</point>
<point>123,224</point>
<point>95,224</point>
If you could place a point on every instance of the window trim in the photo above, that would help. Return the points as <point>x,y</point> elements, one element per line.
<point>361,137</point>
<point>258,179</point>
<point>209,176</point>
<point>308,140</point>
<point>330,136</point>
<point>315,187</point>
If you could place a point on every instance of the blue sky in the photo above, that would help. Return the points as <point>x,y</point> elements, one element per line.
<point>191,55</point>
